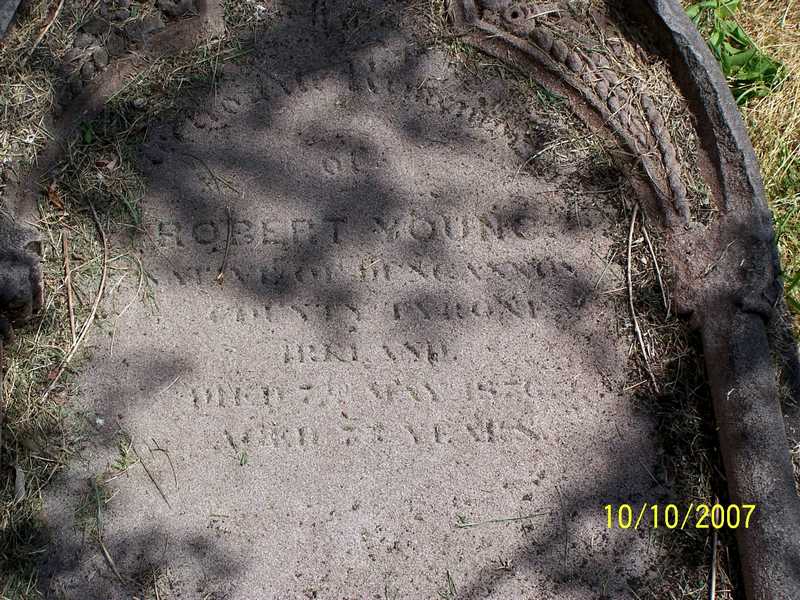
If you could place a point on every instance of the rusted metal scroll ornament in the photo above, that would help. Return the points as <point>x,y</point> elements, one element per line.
<point>727,274</point>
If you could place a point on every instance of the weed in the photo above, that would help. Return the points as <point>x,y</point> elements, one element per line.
<point>750,72</point>
<point>774,125</point>
<point>449,591</point>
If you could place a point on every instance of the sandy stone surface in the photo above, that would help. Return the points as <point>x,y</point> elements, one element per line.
<point>412,334</point>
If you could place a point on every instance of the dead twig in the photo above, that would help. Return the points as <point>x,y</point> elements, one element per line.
<point>155,585</point>
<point>221,274</point>
<point>712,591</point>
<point>99,518</point>
<point>547,148</point>
<point>563,523</point>
<point>95,305</point>
<point>715,264</point>
<point>605,269</point>
<point>2,389</point>
<point>657,268</point>
<point>110,560</point>
<point>150,475</point>
<point>636,327</point>
<point>169,458</point>
<point>68,285</point>
<point>166,389</point>
<point>46,28</point>
<point>467,524</point>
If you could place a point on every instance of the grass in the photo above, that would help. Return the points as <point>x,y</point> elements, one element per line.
<point>773,116</point>
<point>691,466</point>
<point>448,592</point>
<point>751,72</point>
<point>41,436</point>
<point>796,465</point>
<point>40,431</point>
<point>774,125</point>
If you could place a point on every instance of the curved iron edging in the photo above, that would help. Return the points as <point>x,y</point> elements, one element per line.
<point>736,343</point>
<point>733,303</point>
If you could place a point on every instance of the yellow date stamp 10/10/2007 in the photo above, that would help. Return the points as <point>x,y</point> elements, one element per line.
<point>671,516</point>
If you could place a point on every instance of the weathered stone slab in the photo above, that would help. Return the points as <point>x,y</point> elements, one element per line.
<point>412,333</point>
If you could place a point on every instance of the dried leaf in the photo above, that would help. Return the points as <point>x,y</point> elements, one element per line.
<point>54,196</point>
<point>106,164</point>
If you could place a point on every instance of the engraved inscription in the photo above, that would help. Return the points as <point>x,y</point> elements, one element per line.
<point>385,318</point>
<point>479,430</point>
<point>508,224</point>
<point>366,270</point>
<point>383,392</point>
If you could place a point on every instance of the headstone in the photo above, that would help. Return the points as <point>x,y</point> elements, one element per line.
<point>406,382</point>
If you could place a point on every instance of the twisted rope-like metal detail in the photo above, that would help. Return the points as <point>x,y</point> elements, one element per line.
<point>591,75</point>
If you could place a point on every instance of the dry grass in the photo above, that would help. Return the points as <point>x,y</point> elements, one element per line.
<point>774,123</point>
<point>97,170</point>
<point>690,466</point>
<point>27,89</point>
<point>39,436</point>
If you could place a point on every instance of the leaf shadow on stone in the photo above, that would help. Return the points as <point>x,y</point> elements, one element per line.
<point>377,198</point>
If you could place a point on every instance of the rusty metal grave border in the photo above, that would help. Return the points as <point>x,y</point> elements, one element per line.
<point>736,307</point>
